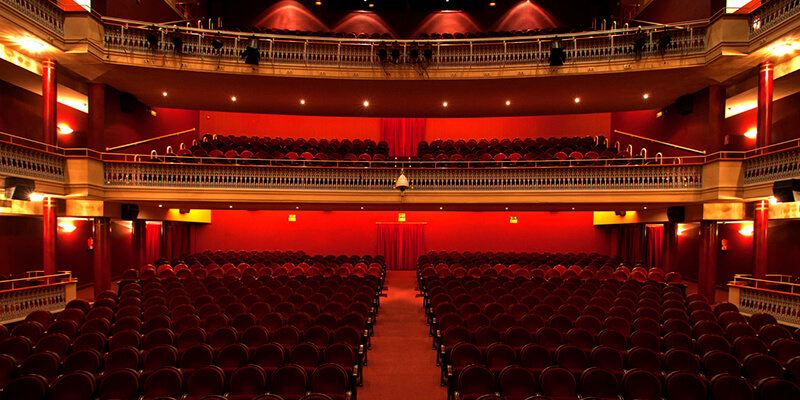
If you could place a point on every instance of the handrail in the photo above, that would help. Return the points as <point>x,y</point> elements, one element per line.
<point>150,140</point>
<point>674,146</point>
<point>35,276</point>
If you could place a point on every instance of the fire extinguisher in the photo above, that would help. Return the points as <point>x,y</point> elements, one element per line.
<point>724,245</point>
<point>90,244</point>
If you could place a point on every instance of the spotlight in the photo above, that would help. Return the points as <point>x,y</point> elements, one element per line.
<point>663,43</point>
<point>382,52</point>
<point>177,42</point>
<point>251,54</point>
<point>557,54</point>
<point>216,43</point>
<point>638,47</point>
<point>152,40</point>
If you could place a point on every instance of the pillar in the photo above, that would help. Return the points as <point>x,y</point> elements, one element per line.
<point>760,239</point>
<point>97,101</point>
<point>49,95</point>
<point>707,271</point>
<point>669,247</point>
<point>764,125</point>
<point>102,254</point>
<point>139,236</point>
<point>50,234</point>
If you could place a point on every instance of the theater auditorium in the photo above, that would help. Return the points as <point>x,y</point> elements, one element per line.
<point>439,200</point>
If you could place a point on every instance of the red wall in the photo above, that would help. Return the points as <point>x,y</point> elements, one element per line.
<point>668,11</point>
<point>340,232</point>
<point>518,127</point>
<point>20,245</point>
<point>22,116</point>
<point>294,126</point>
<point>139,10</point>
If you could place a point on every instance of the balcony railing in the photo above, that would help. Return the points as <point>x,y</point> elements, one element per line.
<point>586,47</point>
<point>772,14</point>
<point>679,176</point>
<point>31,163</point>
<point>20,297</point>
<point>42,11</point>
<point>776,295</point>
<point>773,166</point>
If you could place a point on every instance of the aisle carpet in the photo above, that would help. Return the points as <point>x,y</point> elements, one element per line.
<point>402,363</point>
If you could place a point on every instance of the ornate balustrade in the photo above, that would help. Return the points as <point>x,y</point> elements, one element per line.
<point>774,166</point>
<point>41,11</point>
<point>131,37</point>
<point>31,163</point>
<point>771,14</point>
<point>20,297</point>
<point>776,296</point>
<point>382,179</point>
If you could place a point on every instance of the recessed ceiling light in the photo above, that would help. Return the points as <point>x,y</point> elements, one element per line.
<point>444,104</point>
<point>441,208</point>
<point>298,207</point>
<point>319,3</point>
<point>645,208</point>
<point>159,206</point>
<point>302,101</point>
<point>646,96</point>
<point>164,94</point>
<point>577,99</point>
<point>231,206</point>
<point>233,98</point>
<point>366,103</point>
<point>573,208</point>
<point>506,208</point>
<point>362,208</point>
<point>508,102</point>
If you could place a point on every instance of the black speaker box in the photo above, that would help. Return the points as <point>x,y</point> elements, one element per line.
<point>684,105</point>
<point>19,188</point>
<point>676,214</point>
<point>127,102</point>
<point>784,191</point>
<point>130,212</point>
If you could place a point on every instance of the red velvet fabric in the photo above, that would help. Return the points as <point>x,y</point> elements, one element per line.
<point>402,135</point>
<point>153,249</point>
<point>401,245</point>
<point>655,239</point>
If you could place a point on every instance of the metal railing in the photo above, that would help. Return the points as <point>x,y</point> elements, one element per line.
<point>42,11</point>
<point>771,14</point>
<point>29,162</point>
<point>611,45</point>
<point>678,176</point>
<point>772,163</point>
<point>20,297</point>
<point>776,295</point>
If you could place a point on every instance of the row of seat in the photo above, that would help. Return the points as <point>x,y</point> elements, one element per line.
<point>522,258</point>
<point>582,325</point>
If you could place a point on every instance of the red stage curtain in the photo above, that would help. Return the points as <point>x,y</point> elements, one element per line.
<point>389,243</point>
<point>413,245</point>
<point>402,135</point>
<point>629,245</point>
<point>401,244</point>
<point>655,239</point>
<point>153,249</point>
<point>179,233</point>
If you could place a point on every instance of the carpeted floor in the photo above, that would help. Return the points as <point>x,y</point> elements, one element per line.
<point>402,363</point>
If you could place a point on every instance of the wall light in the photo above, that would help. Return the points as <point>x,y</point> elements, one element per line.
<point>36,197</point>
<point>67,226</point>
<point>682,228</point>
<point>784,48</point>
<point>64,129</point>
<point>752,133</point>
<point>747,229</point>
<point>31,44</point>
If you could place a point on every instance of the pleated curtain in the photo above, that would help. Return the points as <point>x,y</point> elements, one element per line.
<point>401,245</point>
<point>403,135</point>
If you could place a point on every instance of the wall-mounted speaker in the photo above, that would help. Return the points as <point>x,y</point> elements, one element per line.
<point>676,214</point>
<point>127,102</point>
<point>620,213</point>
<point>685,104</point>
<point>18,188</point>
<point>130,212</point>
<point>786,191</point>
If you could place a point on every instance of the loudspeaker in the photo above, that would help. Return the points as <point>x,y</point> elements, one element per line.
<point>685,104</point>
<point>127,102</point>
<point>130,212</point>
<point>676,214</point>
<point>620,213</point>
<point>18,188</point>
<point>786,191</point>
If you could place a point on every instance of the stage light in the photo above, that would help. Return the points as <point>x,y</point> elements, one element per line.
<point>216,43</point>
<point>152,40</point>
<point>177,43</point>
<point>557,54</point>
<point>663,44</point>
<point>251,54</point>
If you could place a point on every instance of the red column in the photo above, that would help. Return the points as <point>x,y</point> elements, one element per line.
<point>49,93</point>
<point>139,243</point>
<point>707,271</point>
<point>764,125</point>
<point>50,234</point>
<point>669,245</point>
<point>102,254</point>
<point>760,240</point>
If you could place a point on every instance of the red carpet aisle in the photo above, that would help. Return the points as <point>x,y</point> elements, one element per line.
<point>402,363</point>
